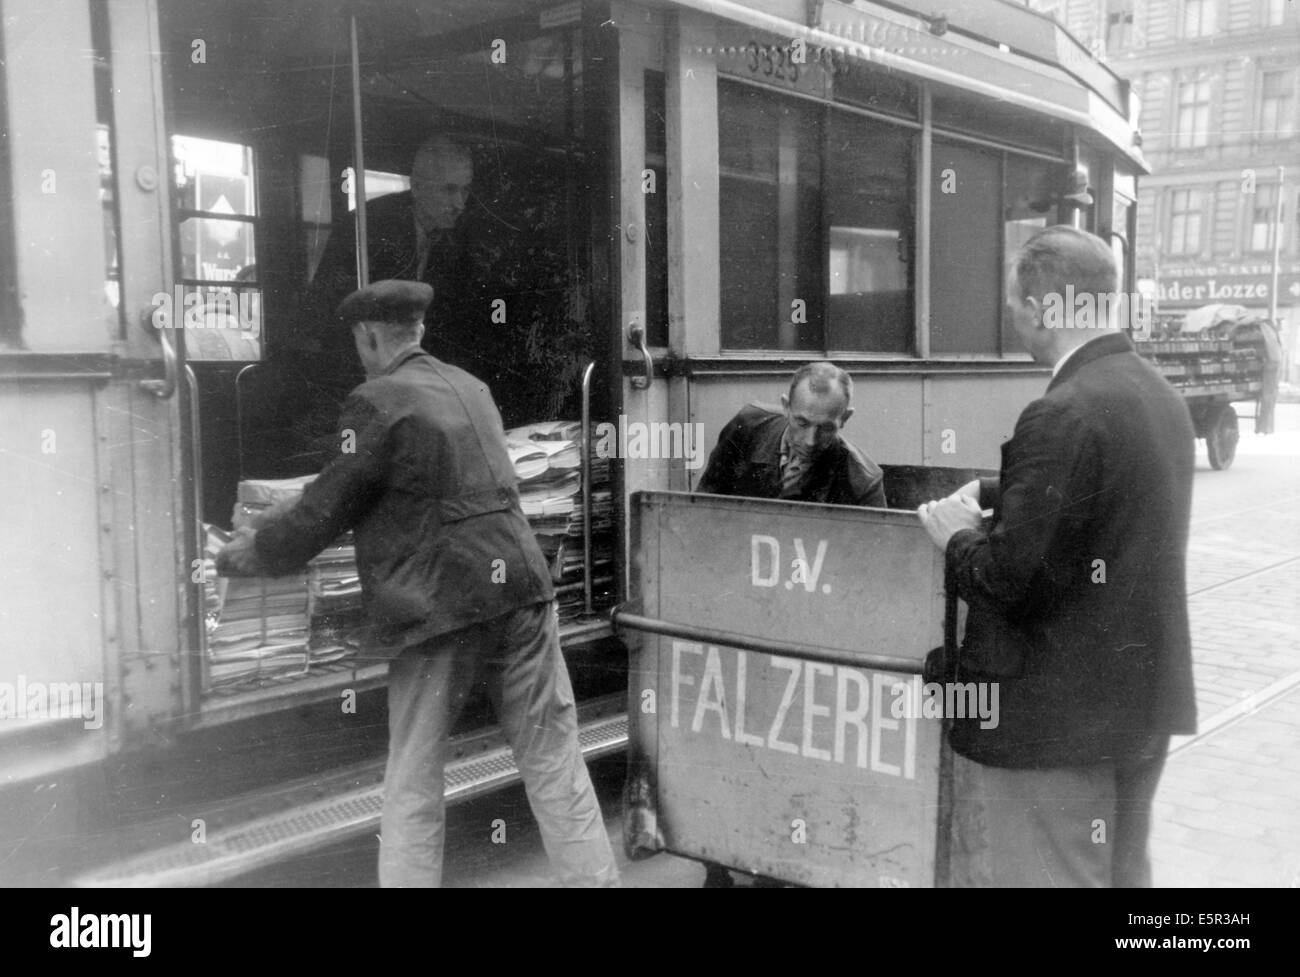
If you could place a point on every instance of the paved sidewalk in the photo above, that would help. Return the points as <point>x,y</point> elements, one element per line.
<point>1228,809</point>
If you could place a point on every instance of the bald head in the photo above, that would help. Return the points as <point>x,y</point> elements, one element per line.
<point>441,173</point>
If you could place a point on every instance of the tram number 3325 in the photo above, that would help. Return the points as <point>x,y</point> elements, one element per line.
<point>772,61</point>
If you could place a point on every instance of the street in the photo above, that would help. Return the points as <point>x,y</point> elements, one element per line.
<point>1226,813</point>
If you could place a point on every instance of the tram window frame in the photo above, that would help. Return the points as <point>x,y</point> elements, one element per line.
<point>219,295</point>
<point>803,207</point>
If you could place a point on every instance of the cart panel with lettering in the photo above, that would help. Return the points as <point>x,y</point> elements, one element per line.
<point>775,685</point>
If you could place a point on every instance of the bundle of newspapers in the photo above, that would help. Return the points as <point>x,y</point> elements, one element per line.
<point>548,462</point>
<point>331,584</point>
<point>256,626</point>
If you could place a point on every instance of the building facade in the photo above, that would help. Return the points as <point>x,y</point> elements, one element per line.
<point>1219,85</point>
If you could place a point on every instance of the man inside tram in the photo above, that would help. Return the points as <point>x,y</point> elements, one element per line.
<point>414,235</point>
<point>797,452</point>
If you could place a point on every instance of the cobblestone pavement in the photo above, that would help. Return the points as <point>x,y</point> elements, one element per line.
<point>1228,809</point>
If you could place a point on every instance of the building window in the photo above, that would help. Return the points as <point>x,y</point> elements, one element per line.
<point>1185,209</point>
<point>1263,213</point>
<point>1119,25</point>
<point>1198,17</point>
<point>1277,104</point>
<point>1193,114</point>
<point>1275,12</point>
<point>816,220</point>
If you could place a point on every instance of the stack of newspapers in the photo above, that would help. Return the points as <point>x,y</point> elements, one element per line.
<point>552,502</point>
<point>257,627</point>
<point>332,585</point>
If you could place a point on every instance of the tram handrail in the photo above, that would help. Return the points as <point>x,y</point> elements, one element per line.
<point>621,618</point>
<point>586,486</point>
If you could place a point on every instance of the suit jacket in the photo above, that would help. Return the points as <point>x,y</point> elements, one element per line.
<point>1077,594</point>
<point>431,497</point>
<point>747,461</point>
<point>455,330</point>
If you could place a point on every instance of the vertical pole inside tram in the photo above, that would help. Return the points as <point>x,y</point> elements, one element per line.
<point>359,164</point>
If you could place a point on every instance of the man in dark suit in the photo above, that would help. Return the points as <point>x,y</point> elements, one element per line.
<point>1077,595</point>
<point>414,235</point>
<point>456,590</point>
<point>796,452</point>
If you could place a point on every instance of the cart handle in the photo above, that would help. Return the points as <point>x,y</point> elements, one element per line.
<point>622,619</point>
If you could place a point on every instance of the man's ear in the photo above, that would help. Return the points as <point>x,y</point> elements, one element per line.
<point>844,418</point>
<point>785,403</point>
<point>419,333</point>
<point>374,340</point>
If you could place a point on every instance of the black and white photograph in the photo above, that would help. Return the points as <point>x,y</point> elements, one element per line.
<point>651,444</point>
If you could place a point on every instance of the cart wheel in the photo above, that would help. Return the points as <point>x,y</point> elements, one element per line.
<point>1221,440</point>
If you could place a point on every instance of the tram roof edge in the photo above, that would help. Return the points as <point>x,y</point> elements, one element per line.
<point>1036,44</point>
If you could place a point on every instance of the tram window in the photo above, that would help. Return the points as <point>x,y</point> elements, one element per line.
<point>965,290</point>
<point>869,219</point>
<point>379,184</point>
<point>1028,205</point>
<point>104,156</point>
<point>315,194</point>
<point>216,208</point>
<point>769,204</point>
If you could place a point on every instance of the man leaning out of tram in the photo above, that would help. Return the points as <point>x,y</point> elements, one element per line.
<point>797,451</point>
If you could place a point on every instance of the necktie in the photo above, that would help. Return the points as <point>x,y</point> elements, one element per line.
<point>792,475</point>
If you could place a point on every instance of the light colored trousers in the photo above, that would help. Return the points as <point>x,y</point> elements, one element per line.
<point>1084,826</point>
<point>517,658</point>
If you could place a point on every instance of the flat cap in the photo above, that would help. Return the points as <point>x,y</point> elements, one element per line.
<point>391,300</point>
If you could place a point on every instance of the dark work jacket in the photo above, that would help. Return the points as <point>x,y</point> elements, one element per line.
<point>431,497</point>
<point>747,461</point>
<point>1077,594</point>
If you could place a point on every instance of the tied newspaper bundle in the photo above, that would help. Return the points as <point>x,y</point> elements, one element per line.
<point>331,585</point>
<point>548,462</point>
<point>257,626</point>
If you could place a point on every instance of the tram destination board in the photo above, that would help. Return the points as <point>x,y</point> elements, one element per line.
<point>810,766</point>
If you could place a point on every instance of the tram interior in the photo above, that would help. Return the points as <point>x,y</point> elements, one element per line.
<point>262,135</point>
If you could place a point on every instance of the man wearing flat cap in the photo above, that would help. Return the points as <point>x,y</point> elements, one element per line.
<point>457,593</point>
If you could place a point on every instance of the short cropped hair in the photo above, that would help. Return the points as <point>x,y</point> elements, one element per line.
<point>397,332</point>
<point>820,376</point>
<point>1062,255</point>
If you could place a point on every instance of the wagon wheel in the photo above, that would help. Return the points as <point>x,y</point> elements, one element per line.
<point>1221,437</point>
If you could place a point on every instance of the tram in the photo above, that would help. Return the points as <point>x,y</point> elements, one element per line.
<point>673,204</point>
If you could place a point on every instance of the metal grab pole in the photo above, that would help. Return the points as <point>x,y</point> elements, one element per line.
<point>586,486</point>
<point>359,164</point>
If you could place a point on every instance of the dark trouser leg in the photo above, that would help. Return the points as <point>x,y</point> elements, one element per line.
<point>1032,828</point>
<point>1135,788</point>
<point>529,686</point>
<point>427,686</point>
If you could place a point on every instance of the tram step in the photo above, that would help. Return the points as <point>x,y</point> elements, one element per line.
<point>259,842</point>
